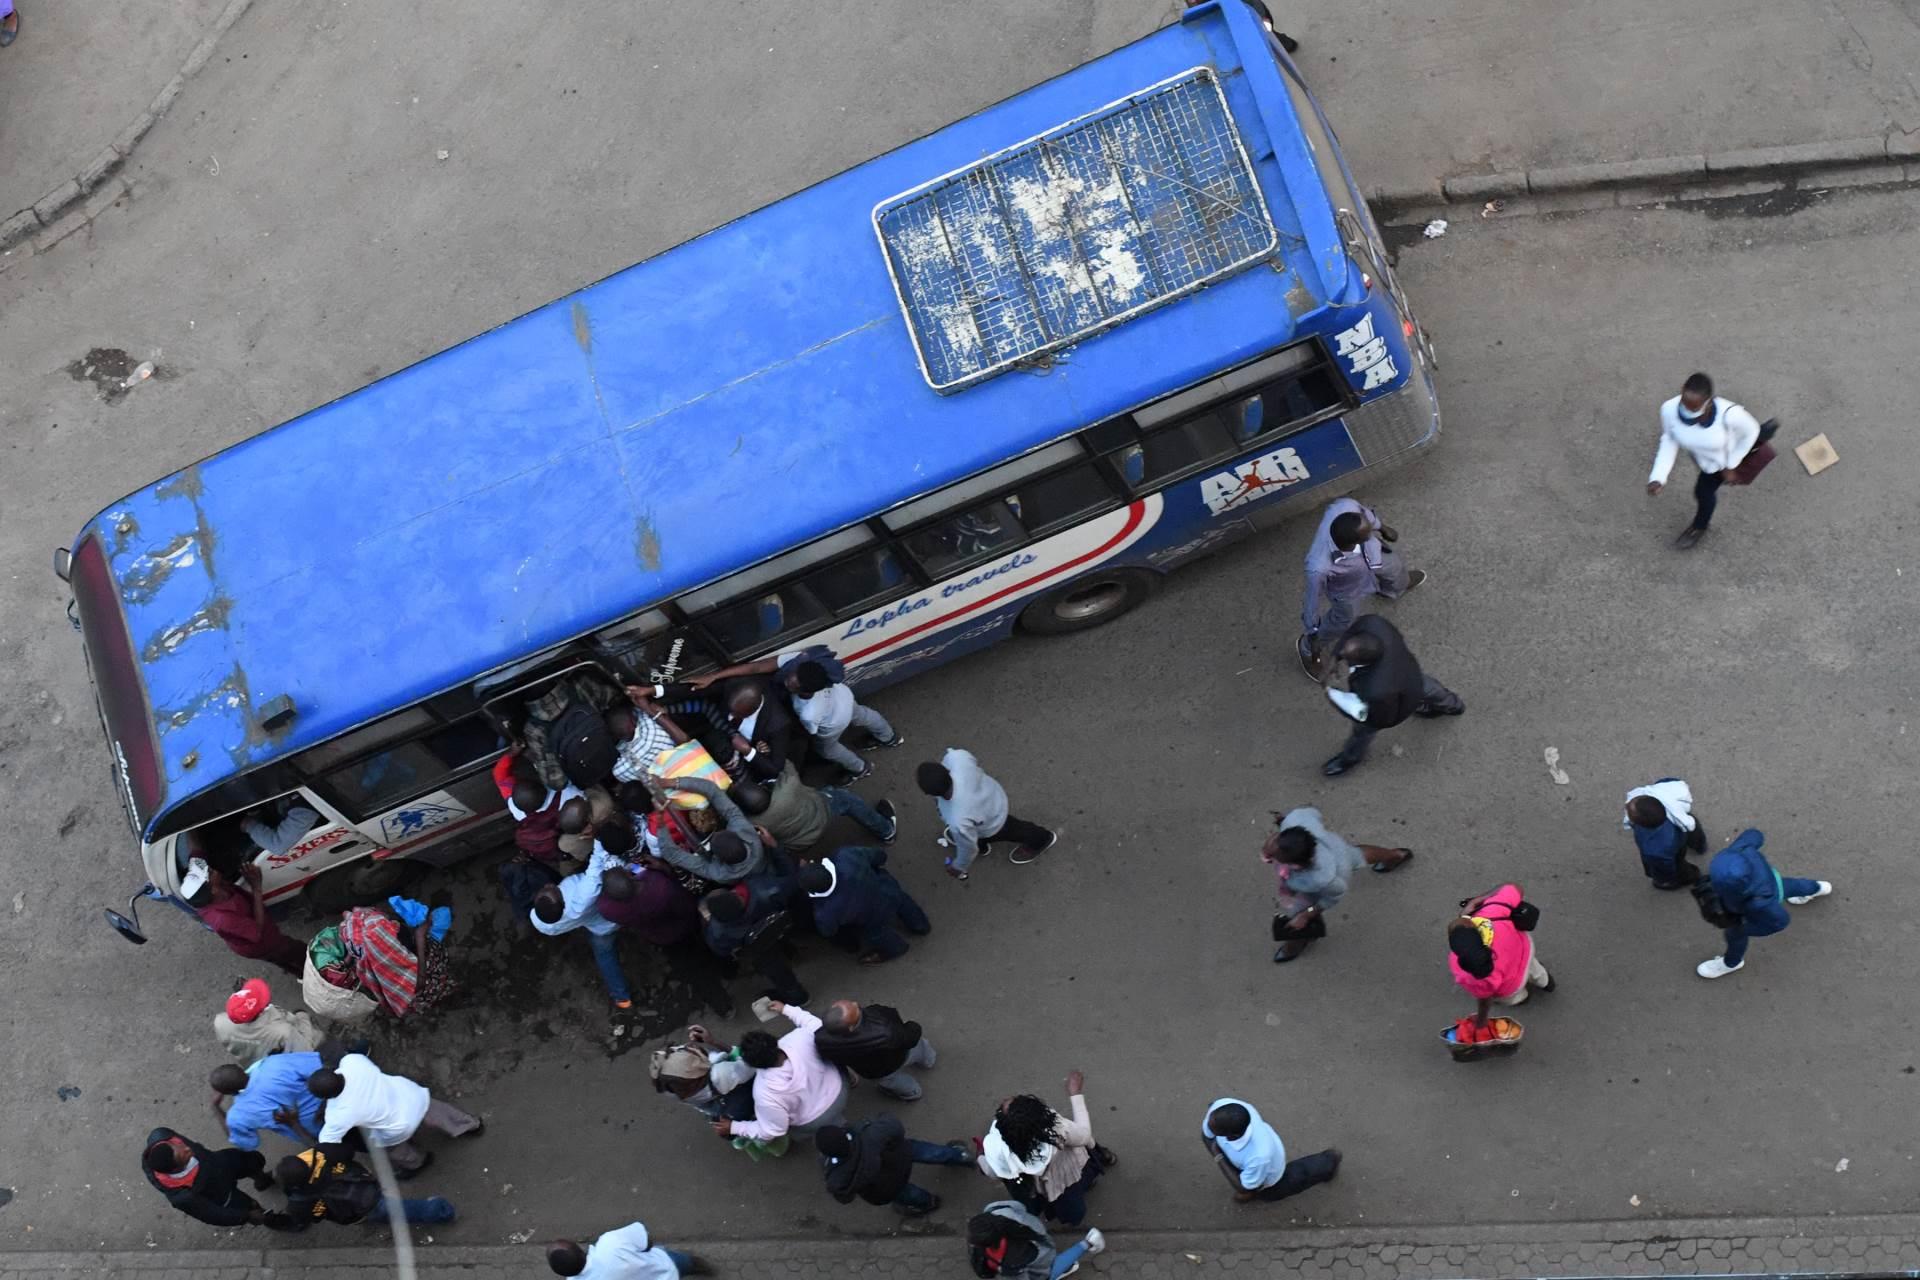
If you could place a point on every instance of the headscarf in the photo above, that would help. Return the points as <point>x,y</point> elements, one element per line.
<point>1470,938</point>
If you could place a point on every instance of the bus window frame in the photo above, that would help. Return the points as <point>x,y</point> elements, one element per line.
<point>357,815</point>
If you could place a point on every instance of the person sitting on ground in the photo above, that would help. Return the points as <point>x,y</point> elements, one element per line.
<point>1047,1162</point>
<point>252,1027</point>
<point>326,1184</point>
<point>856,900</point>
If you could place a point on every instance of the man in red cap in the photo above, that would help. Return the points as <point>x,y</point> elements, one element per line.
<point>253,1027</point>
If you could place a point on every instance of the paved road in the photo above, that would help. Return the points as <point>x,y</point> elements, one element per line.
<point>1775,666</point>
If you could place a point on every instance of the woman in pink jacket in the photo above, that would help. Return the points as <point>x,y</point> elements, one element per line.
<point>1492,960</point>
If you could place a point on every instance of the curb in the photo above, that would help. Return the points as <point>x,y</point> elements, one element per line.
<point>1652,1246</point>
<point>1894,147</point>
<point>70,191</point>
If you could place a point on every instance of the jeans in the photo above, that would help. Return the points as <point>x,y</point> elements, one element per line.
<point>1070,1207</point>
<point>431,1209</point>
<point>1706,496</point>
<point>1308,1171</point>
<point>1068,1258</point>
<point>1435,699</point>
<point>829,747</point>
<point>682,1262</point>
<point>606,954</point>
<point>845,804</point>
<point>1737,936</point>
<point>918,1200</point>
<point>901,1084</point>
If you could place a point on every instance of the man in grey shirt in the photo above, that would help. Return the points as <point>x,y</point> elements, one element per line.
<point>725,857</point>
<point>1346,563</point>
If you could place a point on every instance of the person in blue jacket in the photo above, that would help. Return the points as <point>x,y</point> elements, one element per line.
<point>1753,897</point>
<point>856,898</point>
<point>1660,817</point>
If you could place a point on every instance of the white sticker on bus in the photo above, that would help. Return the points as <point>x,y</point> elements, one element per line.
<point>957,600</point>
<point>1367,353</point>
<point>1254,478</point>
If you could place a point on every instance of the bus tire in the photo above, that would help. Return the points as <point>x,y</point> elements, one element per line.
<point>1088,601</point>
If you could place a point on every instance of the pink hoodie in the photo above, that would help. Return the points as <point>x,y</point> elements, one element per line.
<point>1512,949</point>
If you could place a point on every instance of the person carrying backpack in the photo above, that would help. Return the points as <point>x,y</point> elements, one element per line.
<point>1747,898</point>
<point>326,1184</point>
<point>1004,1240</point>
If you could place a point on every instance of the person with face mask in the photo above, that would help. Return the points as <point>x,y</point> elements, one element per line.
<point>1717,434</point>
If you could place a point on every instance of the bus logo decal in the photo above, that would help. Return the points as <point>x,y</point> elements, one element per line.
<point>418,817</point>
<point>1368,353</point>
<point>1255,478</point>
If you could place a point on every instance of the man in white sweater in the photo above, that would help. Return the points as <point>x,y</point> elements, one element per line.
<point>1716,432</point>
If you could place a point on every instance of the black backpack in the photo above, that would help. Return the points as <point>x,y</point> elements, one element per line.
<point>1712,909</point>
<point>581,740</point>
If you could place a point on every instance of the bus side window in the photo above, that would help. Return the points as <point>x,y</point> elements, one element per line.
<point>1282,404</point>
<point>745,625</point>
<point>853,581</point>
<point>408,770</point>
<point>1173,449</point>
<point>967,536</point>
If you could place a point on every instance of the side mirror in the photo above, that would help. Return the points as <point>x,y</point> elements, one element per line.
<point>128,925</point>
<point>63,564</point>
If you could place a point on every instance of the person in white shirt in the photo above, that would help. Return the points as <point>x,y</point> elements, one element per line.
<point>388,1110</point>
<point>624,1254</point>
<point>974,807</point>
<point>828,708</point>
<point>569,905</point>
<point>1716,433</point>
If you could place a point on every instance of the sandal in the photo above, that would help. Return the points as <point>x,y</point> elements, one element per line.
<point>1384,868</point>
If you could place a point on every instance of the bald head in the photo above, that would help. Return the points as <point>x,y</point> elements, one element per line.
<point>228,1079</point>
<point>842,1015</point>
<point>744,701</point>
<point>576,815</point>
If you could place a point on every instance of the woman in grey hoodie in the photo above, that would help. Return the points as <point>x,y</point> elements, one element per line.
<point>1004,1240</point>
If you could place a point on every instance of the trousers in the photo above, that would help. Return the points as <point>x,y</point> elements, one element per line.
<point>1307,1171</point>
<point>1706,496</point>
<point>829,747</point>
<point>1435,699</point>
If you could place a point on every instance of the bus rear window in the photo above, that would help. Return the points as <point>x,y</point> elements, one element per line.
<point>116,683</point>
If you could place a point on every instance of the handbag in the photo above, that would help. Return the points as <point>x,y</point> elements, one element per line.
<point>1524,915</point>
<point>1757,457</point>
<point>1284,932</point>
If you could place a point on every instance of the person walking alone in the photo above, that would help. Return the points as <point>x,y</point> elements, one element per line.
<point>1347,562</point>
<point>874,1160</point>
<point>1377,683</point>
<point>1492,958</point>
<point>1717,434</point>
<point>1312,864</point>
<point>1660,816</point>
<point>1752,899</point>
<point>974,807</point>
<point>1046,1161</point>
<point>1254,1159</point>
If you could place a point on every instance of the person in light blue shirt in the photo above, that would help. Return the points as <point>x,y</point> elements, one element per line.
<point>270,1096</point>
<point>1254,1160</point>
<point>569,905</point>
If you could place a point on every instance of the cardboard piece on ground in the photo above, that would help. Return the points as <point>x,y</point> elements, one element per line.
<point>1817,454</point>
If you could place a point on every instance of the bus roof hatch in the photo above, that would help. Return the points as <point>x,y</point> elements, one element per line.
<point>1070,232</point>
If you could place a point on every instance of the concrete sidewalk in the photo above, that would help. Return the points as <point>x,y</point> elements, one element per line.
<point>79,74</point>
<point>1869,1246</point>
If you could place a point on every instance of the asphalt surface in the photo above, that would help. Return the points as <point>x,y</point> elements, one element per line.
<point>1773,667</point>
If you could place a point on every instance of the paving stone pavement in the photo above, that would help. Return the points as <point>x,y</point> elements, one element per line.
<point>1873,1246</point>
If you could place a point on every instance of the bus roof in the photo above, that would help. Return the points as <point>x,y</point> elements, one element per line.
<point>627,442</point>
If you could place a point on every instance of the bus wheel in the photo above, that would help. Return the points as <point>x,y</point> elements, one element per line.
<point>1088,602</point>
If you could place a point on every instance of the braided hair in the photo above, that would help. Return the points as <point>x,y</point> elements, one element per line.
<point>1026,1124</point>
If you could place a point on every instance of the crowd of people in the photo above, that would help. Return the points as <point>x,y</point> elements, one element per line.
<point>678,815</point>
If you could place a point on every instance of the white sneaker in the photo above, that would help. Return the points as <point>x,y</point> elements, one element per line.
<point>1095,1241</point>
<point>1824,889</point>
<point>1718,967</point>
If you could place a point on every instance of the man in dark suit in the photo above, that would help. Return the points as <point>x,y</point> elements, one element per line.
<point>857,900</point>
<point>1377,683</point>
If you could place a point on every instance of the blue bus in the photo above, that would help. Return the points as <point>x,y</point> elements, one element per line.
<point>1003,377</point>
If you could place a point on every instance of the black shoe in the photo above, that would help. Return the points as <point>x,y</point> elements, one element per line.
<point>697,1267</point>
<point>886,810</point>
<point>1309,661</point>
<point>1287,42</point>
<point>1414,579</point>
<point>1106,1157</point>
<point>1457,707</point>
<point>897,740</point>
<point>1689,538</point>
<point>1289,951</point>
<point>1337,766</point>
<point>1335,1154</point>
<point>1552,982</point>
